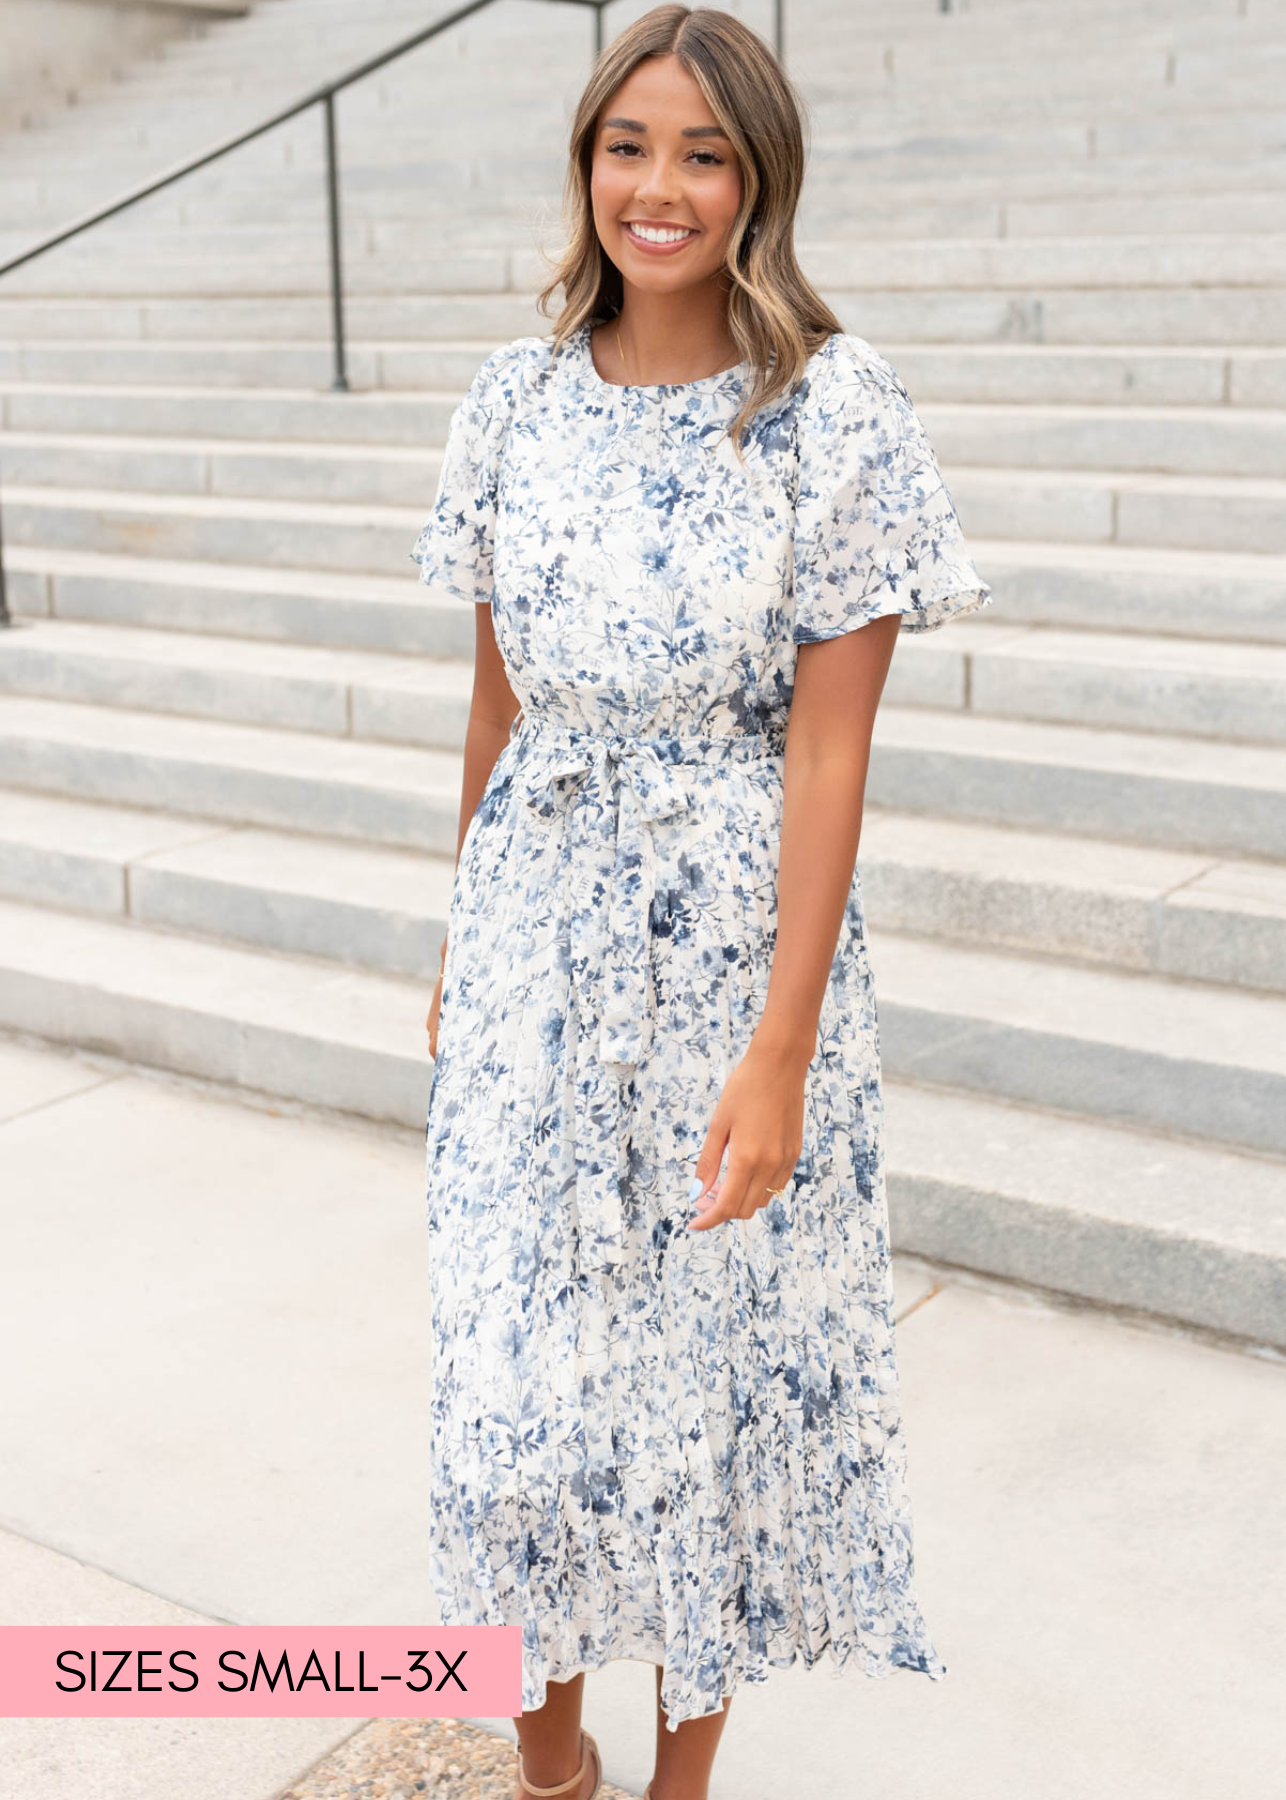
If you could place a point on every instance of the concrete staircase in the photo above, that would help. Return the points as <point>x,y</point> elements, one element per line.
<point>230,717</point>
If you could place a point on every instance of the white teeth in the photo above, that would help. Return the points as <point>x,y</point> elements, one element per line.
<point>660,234</point>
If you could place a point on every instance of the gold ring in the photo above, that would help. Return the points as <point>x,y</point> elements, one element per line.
<point>773,1192</point>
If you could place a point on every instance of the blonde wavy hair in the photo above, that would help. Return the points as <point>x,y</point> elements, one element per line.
<point>775,317</point>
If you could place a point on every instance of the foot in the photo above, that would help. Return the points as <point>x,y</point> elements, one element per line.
<point>581,1786</point>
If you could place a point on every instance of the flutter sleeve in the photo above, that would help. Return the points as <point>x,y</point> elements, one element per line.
<point>876,530</point>
<point>454,548</point>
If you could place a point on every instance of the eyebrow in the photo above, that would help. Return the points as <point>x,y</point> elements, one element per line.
<point>688,130</point>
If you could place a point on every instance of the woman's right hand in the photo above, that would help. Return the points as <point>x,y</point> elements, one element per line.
<point>435,1008</point>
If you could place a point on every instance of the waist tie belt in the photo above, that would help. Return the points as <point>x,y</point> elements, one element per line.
<point>637,782</point>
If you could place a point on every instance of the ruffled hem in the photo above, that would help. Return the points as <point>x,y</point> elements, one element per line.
<point>839,1664</point>
<point>955,592</point>
<point>622,1598</point>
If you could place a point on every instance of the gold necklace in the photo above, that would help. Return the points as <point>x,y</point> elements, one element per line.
<point>620,346</point>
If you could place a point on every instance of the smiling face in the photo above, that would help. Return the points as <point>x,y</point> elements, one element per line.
<point>664,183</point>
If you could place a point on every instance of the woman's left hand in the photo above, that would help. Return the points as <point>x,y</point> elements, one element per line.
<point>759,1120</point>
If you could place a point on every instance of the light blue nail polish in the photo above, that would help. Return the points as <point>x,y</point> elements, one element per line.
<point>695,1188</point>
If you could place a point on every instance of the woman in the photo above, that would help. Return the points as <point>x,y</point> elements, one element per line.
<point>694,519</point>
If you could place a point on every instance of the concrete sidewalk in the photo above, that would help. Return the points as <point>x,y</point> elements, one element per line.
<point>212,1318</point>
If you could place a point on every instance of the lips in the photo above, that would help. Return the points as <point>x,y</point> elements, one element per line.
<point>662,245</point>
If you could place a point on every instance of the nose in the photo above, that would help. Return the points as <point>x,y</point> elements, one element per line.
<point>659,185</point>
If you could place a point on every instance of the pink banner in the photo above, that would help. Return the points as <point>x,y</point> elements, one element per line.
<point>260,1671</point>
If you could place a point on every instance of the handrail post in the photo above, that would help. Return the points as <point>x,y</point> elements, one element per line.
<point>340,380</point>
<point>598,28</point>
<point>779,28</point>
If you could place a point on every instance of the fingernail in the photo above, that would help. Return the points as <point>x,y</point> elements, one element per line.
<point>695,1188</point>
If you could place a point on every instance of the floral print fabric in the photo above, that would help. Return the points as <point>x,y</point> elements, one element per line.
<point>651,1442</point>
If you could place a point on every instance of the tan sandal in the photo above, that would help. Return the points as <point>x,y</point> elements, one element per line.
<point>565,1787</point>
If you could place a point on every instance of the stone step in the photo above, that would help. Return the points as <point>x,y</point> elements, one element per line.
<point>278,533</point>
<point>1117,587</point>
<point>400,420</point>
<point>1117,1216</point>
<point>1148,83</point>
<point>1084,374</point>
<point>1139,787</point>
<point>982,374</point>
<point>1259,169</point>
<point>1072,315</point>
<point>1235,209</point>
<point>1126,906</point>
<point>1122,906</point>
<point>366,905</point>
<point>390,794</point>
<point>1232,513</point>
<point>1162,440</point>
<point>992,23</point>
<point>1170,1056</point>
<point>345,693</point>
<point>1231,692</point>
<point>288,1026</point>
<point>1100,133</point>
<point>379,474</point>
<point>1134,682</point>
<point>79,270</point>
<point>311,606</point>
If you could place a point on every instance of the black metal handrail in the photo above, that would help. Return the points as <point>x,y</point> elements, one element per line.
<point>324,97</point>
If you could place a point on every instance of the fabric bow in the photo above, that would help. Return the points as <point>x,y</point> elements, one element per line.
<point>634,790</point>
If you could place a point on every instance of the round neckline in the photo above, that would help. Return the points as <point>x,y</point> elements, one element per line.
<point>584,333</point>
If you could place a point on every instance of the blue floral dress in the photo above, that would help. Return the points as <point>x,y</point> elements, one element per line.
<point>649,1442</point>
